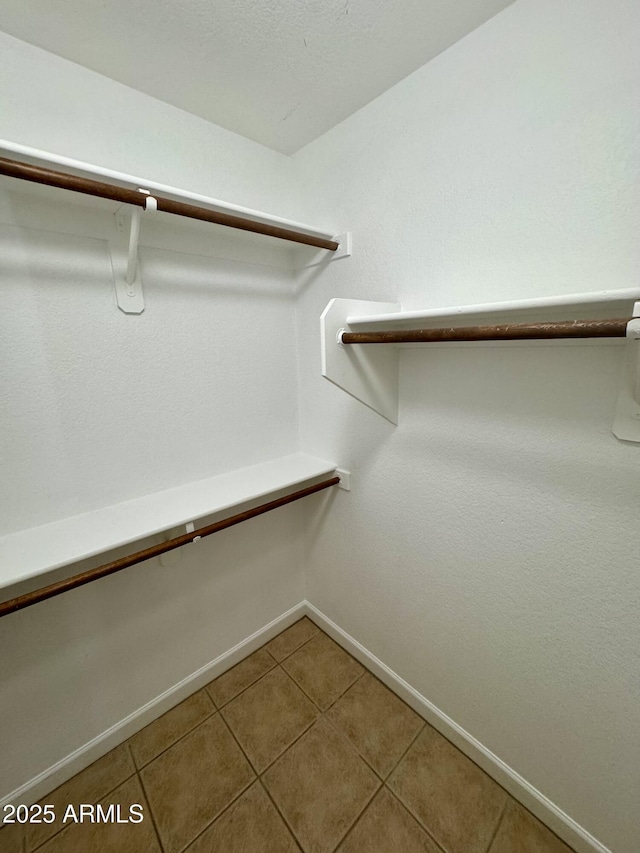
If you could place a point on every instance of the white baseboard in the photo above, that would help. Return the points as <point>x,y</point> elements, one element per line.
<point>564,826</point>
<point>85,755</point>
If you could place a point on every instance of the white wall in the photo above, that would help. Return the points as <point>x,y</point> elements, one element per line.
<point>58,106</point>
<point>488,550</point>
<point>99,406</point>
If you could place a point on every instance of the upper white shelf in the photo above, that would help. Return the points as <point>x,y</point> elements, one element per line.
<point>38,550</point>
<point>603,302</point>
<point>45,159</point>
<point>370,372</point>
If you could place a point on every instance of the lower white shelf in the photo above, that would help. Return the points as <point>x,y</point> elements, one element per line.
<point>39,550</point>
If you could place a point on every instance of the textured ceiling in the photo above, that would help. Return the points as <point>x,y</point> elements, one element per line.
<point>281,72</point>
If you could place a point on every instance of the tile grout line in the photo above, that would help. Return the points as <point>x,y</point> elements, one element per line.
<point>498,825</point>
<point>244,689</point>
<point>292,744</point>
<point>102,796</point>
<point>151,816</point>
<point>302,690</point>
<point>331,722</point>
<point>346,737</point>
<point>282,817</point>
<point>324,710</point>
<point>346,690</point>
<point>238,744</point>
<point>297,648</point>
<point>399,798</point>
<point>173,743</point>
<point>287,747</point>
<point>237,797</point>
<point>358,818</point>
<point>420,824</point>
<point>411,743</point>
<point>22,835</point>
<point>359,815</point>
<point>219,815</point>
<point>234,799</point>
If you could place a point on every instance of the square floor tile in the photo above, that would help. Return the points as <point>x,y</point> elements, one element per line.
<point>451,796</point>
<point>193,781</point>
<point>88,786</point>
<point>377,722</point>
<point>387,827</point>
<point>320,786</point>
<point>323,670</point>
<point>11,838</point>
<point>239,677</point>
<point>521,831</point>
<point>291,639</point>
<point>170,727</point>
<point>111,837</point>
<point>268,717</point>
<point>250,825</point>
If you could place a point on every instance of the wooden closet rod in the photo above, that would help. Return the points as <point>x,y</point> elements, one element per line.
<point>38,175</point>
<point>58,588</point>
<point>510,332</point>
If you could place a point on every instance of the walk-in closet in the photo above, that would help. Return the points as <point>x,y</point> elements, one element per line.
<point>320,427</point>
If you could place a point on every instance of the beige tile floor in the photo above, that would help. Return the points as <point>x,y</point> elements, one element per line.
<point>298,747</point>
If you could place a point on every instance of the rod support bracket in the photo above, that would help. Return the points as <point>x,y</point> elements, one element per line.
<point>306,257</point>
<point>123,248</point>
<point>345,479</point>
<point>150,203</point>
<point>626,424</point>
<point>633,329</point>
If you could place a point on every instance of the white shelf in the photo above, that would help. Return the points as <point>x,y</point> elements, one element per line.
<point>370,373</point>
<point>38,550</point>
<point>37,157</point>
<point>603,302</point>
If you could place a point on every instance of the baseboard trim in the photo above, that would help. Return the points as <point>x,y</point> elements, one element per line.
<point>546,811</point>
<point>85,755</point>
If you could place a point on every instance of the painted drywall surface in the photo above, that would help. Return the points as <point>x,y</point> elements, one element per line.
<point>98,406</point>
<point>275,72</point>
<point>487,550</point>
<point>50,103</point>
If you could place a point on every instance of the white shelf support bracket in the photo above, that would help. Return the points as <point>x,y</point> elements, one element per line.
<point>189,528</point>
<point>172,558</point>
<point>307,257</point>
<point>124,256</point>
<point>345,248</point>
<point>626,424</point>
<point>345,479</point>
<point>370,374</point>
